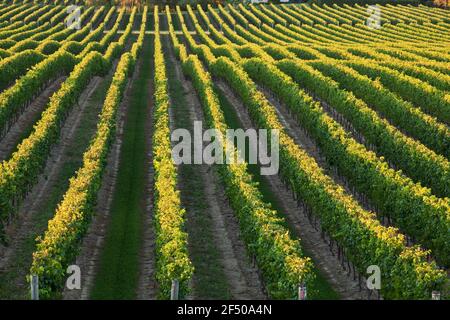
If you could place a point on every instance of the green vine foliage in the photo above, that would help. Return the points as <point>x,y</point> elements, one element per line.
<point>172,260</point>
<point>278,256</point>
<point>59,246</point>
<point>364,239</point>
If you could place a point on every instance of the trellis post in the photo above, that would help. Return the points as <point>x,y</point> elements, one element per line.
<point>435,295</point>
<point>34,287</point>
<point>302,292</point>
<point>175,290</point>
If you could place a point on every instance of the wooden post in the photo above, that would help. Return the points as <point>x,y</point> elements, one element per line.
<point>175,289</point>
<point>435,295</point>
<point>302,292</point>
<point>34,287</point>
